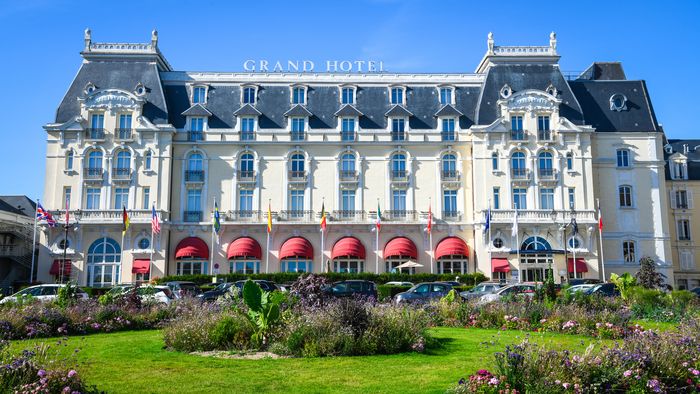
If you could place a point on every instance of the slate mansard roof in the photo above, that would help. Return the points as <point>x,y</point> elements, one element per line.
<point>691,150</point>
<point>584,101</point>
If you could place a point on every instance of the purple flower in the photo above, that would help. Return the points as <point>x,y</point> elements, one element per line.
<point>494,381</point>
<point>627,373</point>
<point>695,372</point>
<point>41,373</point>
<point>72,373</point>
<point>653,384</point>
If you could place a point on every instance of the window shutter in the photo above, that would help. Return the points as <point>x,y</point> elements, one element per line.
<point>689,197</point>
<point>674,203</point>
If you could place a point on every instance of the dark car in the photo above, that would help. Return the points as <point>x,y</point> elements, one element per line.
<point>453,283</point>
<point>349,288</point>
<point>584,281</point>
<point>215,293</point>
<point>424,292</point>
<point>266,285</point>
<point>182,288</point>
<point>605,290</point>
<point>696,291</point>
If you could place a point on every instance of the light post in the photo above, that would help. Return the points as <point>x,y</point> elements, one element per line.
<point>66,226</point>
<point>572,223</point>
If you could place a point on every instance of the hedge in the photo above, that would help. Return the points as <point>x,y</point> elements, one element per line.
<point>287,277</point>
<point>387,291</point>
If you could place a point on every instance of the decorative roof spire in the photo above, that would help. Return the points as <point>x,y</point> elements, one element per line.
<point>489,42</point>
<point>154,38</point>
<point>553,41</point>
<point>88,38</point>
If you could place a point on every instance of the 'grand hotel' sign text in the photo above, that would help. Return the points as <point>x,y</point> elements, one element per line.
<point>331,66</point>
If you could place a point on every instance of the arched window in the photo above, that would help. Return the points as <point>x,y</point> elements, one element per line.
<point>147,157</point>
<point>95,160</point>
<point>347,163</point>
<point>570,161</point>
<point>536,244</point>
<point>449,165</point>
<point>625,195</point>
<point>195,162</point>
<point>69,160</point>
<point>398,165</point>
<point>297,163</point>
<point>494,161</point>
<point>545,161</point>
<point>517,164</point>
<point>123,160</point>
<point>103,260</point>
<point>247,162</point>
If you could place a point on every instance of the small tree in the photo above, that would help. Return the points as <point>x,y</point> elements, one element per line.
<point>624,283</point>
<point>647,276</point>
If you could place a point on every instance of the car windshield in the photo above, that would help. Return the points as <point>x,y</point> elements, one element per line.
<point>421,289</point>
<point>339,287</point>
<point>223,286</point>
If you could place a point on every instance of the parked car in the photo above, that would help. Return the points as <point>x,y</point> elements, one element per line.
<point>525,289</point>
<point>214,294</point>
<point>696,291</point>
<point>182,288</point>
<point>580,288</point>
<point>264,284</point>
<point>349,288</point>
<point>395,283</point>
<point>584,281</point>
<point>43,293</point>
<point>605,290</point>
<point>452,283</point>
<point>423,292</point>
<point>147,293</point>
<point>480,290</point>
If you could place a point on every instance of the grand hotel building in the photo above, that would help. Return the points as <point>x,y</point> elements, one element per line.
<point>516,135</point>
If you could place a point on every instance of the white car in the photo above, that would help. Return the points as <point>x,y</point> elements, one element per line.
<point>399,284</point>
<point>147,293</point>
<point>512,290</point>
<point>43,293</point>
<point>581,288</point>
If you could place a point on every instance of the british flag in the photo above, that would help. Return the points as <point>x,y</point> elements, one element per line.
<point>42,214</point>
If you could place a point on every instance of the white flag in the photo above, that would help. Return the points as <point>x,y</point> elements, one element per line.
<point>514,233</point>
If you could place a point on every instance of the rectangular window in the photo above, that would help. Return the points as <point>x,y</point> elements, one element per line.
<point>298,96</point>
<point>66,196</point>
<point>247,129</point>
<point>445,96</point>
<point>546,198</point>
<point>569,162</point>
<point>448,129</point>
<point>249,96</point>
<point>69,160</point>
<point>398,200</point>
<point>494,161</point>
<point>449,203</point>
<point>628,252</point>
<point>198,95</point>
<point>679,171</point>
<point>97,121</point>
<point>121,197</point>
<point>194,200</point>
<point>298,129</point>
<point>245,201</point>
<point>398,129</point>
<point>397,96</point>
<point>244,267</point>
<point>519,198</point>
<point>146,197</point>
<point>516,127</point>
<point>572,198</point>
<point>681,199</point>
<point>348,96</point>
<point>296,202</point>
<point>623,158</point>
<point>125,122</point>
<point>348,129</point>
<point>347,201</point>
<point>92,198</point>
<point>197,124</point>
<point>543,123</point>
<point>496,198</point>
<point>684,230</point>
<point>147,160</point>
<point>687,263</point>
<point>625,195</point>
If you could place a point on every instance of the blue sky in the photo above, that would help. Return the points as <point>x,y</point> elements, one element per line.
<point>41,41</point>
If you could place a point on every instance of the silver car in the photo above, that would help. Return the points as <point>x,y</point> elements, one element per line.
<point>480,290</point>
<point>43,293</point>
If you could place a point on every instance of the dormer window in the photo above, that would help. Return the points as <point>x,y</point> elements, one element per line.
<point>247,128</point>
<point>140,90</point>
<point>398,129</point>
<point>298,129</point>
<point>446,95</point>
<point>299,95</point>
<point>551,90</point>
<point>397,95</point>
<point>618,102</point>
<point>199,95</point>
<point>347,132</point>
<point>347,95</point>
<point>249,95</point>
<point>506,91</point>
<point>89,88</point>
<point>448,129</point>
<point>679,170</point>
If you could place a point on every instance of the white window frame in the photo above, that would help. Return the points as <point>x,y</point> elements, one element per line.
<point>452,95</point>
<point>354,94</point>
<point>206,94</point>
<point>622,164</point>
<point>632,200</point>
<point>626,245</point>
<point>403,95</point>
<point>305,95</point>
<point>255,94</point>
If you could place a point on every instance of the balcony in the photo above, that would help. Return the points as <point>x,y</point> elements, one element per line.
<point>348,216</point>
<point>93,174</point>
<point>108,215</point>
<point>348,136</point>
<point>123,134</point>
<point>400,216</point>
<point>399,175</point>
<point>684,238</point>
<point>449,175</point>
<point>681,205</point>
<point>348,176</point>
<point>194,176</point>
<point>121,174</point>
<point>545,135</point>
<point>247,136</point>
<point>451,216</point>
<point>518,135</point>
<point>194,136</point>
<point>192,216</point>
<point>448,136</point>
<point>297,135</point>
<point>297,216</point>
<point>547,174</point>
<point>246,176</point>
<point>398,136</point>
<point>519,174</point>
<point>95,134</point>
<point>246,216</point>
<point>297,176</point>
<point>542,216</point>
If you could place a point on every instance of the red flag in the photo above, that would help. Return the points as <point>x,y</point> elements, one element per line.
<point>600,220</point>
<point>323,217</point>
<point>67,211</point>
<point>430,220</point>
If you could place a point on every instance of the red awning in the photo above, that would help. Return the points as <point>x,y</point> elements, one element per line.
<point>244,247</point>
<point>499,264</point>
<point>192,248</point>
<point>348,247</point>
<point>451,246</point>
<point>141,266</point>
<point>56,268</point>
<point>581,265</point>
<point>401,247</point>
<point>296,247</point>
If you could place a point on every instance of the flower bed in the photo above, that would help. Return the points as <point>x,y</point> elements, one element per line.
<point>645,361</point>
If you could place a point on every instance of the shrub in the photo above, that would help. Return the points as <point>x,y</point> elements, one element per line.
<point>624,283</point>
<point>208,328</point>
<point>647,276</point>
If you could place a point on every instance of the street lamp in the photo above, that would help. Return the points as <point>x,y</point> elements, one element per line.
<point>574,226</point>
<point>66,226</point>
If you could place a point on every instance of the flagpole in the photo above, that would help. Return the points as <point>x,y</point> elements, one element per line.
<point>323,213</point>
<point>213,230</point>
<point>31,272</point>
<point>376,229</point>
<point>430,236</point>
<point>517,245</point>
<point>488,241</point>
<point>600,239</point>
<point>267,247</point>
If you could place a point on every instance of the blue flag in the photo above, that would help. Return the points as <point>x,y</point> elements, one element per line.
<point>217,220</point>
<point>488,219</point>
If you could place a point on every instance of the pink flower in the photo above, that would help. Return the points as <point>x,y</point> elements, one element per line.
<point>566,385</point>
<point>695,372</point>
<point>72,373</point>
<point>494,381</point>
<point>627,373</point>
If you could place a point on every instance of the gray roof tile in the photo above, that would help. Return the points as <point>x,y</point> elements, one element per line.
<point>298,110</point>
<point>448,110</point>
<point>398,110</point>
<point>348,110</point>
<point>247,110</point>
<point>197,110</point>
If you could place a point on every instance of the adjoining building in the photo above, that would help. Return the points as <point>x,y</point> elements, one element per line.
<point>517,135</point>
<point>16,243</point>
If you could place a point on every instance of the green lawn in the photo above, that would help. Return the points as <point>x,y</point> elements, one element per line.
<point>135,362</point>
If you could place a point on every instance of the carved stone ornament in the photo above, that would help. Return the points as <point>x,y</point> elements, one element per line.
<point>531,100</point>
<point>618,102</point>
<point>111,99</point>
<point>506,91</point>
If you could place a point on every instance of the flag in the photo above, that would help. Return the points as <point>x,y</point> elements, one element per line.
<point>379,218</point>
<point>269,219</point>
<point>487,226</point>
<point>42,214</point>
<point>217,218</point>
<point>514,233</point>
<point>430,219</point>
<point>67,211</point>
<point>125,220</point>
<point>574,225</point>
<point>323,217</point>
<point>600,220</point>
<point>155,224</point>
